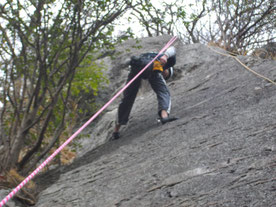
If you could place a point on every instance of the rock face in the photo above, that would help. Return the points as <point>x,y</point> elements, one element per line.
<point>221,151</point>
<point>267,51</point>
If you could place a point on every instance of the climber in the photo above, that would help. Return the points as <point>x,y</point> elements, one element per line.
<point>161,68</point>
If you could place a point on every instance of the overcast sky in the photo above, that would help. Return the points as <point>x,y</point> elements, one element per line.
<point>138,29</point>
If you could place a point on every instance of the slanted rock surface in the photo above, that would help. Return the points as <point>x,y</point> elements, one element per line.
<point>220,152</point>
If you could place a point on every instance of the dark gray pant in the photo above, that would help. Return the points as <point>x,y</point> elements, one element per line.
<point>159,86</point>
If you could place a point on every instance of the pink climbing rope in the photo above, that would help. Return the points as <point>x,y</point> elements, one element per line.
<point>24,182</point>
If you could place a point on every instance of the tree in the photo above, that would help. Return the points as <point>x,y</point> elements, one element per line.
<point>44,44</point>
<point>241,25</point>
<point>158,19</point>
<point>191,24</point>
<point>235,25</point>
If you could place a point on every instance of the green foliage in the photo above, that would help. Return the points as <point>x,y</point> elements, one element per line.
<point>88,79</point>
<point>49,72</point>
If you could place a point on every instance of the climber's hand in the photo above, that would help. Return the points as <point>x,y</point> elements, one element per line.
<point>163,60</point>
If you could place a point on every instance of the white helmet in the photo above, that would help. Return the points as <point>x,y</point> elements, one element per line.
<point>170,70</point>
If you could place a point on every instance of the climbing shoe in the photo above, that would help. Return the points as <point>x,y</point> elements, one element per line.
<point>167,119</point>
<point>115,135</point>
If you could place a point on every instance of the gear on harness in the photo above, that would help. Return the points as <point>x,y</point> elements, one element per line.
<point>138,62</point>
<point>157,66</point>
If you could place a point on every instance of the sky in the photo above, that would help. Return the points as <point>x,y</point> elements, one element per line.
<point>138,29</point>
